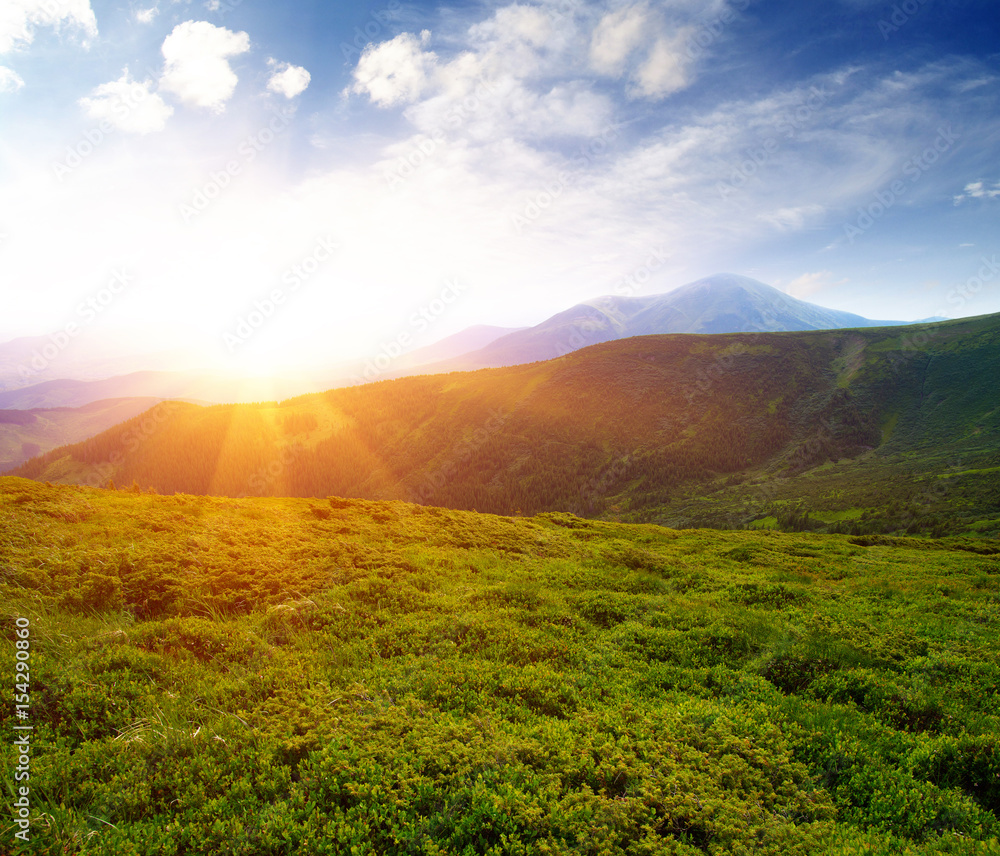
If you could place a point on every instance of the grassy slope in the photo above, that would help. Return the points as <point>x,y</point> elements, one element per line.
<point>265,676</point>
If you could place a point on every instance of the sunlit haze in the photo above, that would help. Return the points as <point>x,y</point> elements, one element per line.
<point>270,185</point>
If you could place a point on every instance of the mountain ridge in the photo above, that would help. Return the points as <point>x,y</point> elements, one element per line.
<point>646,426</point>
<point>721,303</point>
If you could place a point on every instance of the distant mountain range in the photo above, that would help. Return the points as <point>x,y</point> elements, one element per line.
<point>196,386</point>
<point>32,360</point>
<point>723,303</point>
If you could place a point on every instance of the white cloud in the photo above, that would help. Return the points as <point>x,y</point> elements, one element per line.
<point>288,80</point>
<point>396,71</point>
<point>616,36</point>
<point>810,283</point>
<point>128,105</point>
<point>978,190</point>
<point>197,67</point>
<point>634,41</point>
<point>969,85</point>
<point>10,80</point>
<point>146,16</point>
<point>511,81</point>
<point>20,18</point>
<point>664,71</point>
<point>513,24</point>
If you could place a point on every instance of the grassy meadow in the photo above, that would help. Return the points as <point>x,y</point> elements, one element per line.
<point>331,676</point>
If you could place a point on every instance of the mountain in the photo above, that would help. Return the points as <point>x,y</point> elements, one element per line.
<point>467,340</point>
<point>71,391</point>
<point>727,429</point>
<point>199,386</point>
<point>26,433</point>
<point>723,303</point>
<point>387,365</point>
<point>32,360</point>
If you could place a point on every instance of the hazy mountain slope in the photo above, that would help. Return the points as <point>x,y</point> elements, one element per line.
<point>470,339</point>
<point>69,390</point>
<point>31,360</point>
<point>616,428</point>
<point>186,385</point>
<point>26,433</point>
<point>723,303</point>
<point>728,303</point>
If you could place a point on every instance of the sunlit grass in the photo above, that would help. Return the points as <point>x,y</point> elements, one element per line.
<point>252,676</point>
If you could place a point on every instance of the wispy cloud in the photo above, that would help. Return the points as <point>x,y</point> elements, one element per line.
<point>146,16</point>
<point>807,285</point>
<point>10,80</point>
<point>978,190</point>
<point>20,19</point>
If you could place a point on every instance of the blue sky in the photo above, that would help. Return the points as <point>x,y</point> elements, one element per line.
<point>335,167</point>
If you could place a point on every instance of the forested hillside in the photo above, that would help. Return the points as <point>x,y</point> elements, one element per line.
<point>644,428</point>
